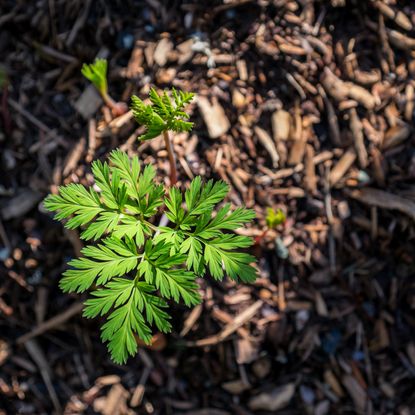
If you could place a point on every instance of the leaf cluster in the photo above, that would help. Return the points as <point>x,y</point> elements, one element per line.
<point>97,73</point>
<point>275,217</point>
<point>135,267</point>
<point>164,113</point>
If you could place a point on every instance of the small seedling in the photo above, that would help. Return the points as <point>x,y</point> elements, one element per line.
<point>272,219</point>
<point>136,267</point>
<point>275,217</point>
<point>97,73</point>
<point>164,114</point>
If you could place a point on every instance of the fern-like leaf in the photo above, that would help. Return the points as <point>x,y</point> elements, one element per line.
<point>163,114</point>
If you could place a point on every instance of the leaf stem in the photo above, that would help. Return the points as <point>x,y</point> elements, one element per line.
<point>172,158</point>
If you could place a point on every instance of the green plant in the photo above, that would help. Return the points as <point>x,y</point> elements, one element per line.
<point>275,217</point>
<point>97,73</point>
<point>136,267</point>
<point>272,219</point>
<point>164,114</point>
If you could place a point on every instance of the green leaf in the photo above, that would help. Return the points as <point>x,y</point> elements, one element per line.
<point>163,114</point>
<point>121,326</point>
<point>128,170</point>
<point>201,197</point>
<point>142,113</point>
<point>161,104</point>
<point>145,194</point>
<point>116,293</point>
<point>128,300</point>
<point>171,237</point>
<point>74,200</point>
<point>172,283</point>
<point>153,306</point>
<point>176,284</point>
<point>193,248</point>
<point>173,203</point>
<point>180,126</point>
<point>106,222</point>
<point>133,228</point>
<point>114,193</point>
<point>275,217</point>
<point>97,73</point>
<point>225,220</point>
<point>112,258</point>
<point>155,129</point>
<point>220,256</point>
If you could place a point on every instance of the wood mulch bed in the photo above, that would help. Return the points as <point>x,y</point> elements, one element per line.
<point>306,106</point>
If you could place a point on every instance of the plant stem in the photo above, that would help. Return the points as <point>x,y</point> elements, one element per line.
<point>118,108</point>
<point>258,239</point>
<point>172,158</point>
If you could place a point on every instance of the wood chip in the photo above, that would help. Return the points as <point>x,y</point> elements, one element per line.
<point>191,319</point>
<point>162,50</point>
<point>342,166</point>
<point>236,387</point>
<point>395,136</point>
<point>19,205</point>
<point>74,156</point>
<point>398,17</point>
<point>341,90</point>
<point>185,51</point>
<point>214,116</point>
<point>273,401</point>
<point>265,139</point>
<point>359,142</point>
<point>242,70</point>
<point>281,125</point>
<point>54,322</point>
<point>116,402</point>
<point>230,328</point>
<point>385,200</point>
<point>356,392</point>
<point>88,103</point>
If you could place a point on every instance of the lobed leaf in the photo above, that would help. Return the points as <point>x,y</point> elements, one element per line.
<point>163,114</point>
<point>114,257</point>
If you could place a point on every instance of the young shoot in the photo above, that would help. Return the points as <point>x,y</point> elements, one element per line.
<point>275,217</point>
<point>96,73</point>
<point>162,115</point>
<point>272,219</point>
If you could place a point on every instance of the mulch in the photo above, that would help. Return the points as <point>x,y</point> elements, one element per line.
<point>307,106</point>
